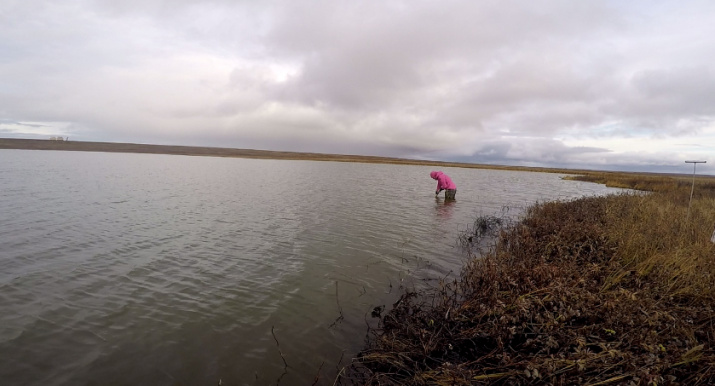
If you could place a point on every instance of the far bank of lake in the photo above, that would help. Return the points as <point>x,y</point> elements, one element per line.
<point>116,147</point>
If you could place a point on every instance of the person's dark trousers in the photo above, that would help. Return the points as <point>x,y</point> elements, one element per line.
<point>449,194</point>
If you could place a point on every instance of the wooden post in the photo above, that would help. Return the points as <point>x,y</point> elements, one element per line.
<point>692,188</point>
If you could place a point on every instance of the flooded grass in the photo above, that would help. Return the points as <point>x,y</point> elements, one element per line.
<point>599,290</point>
<point>480,236</point>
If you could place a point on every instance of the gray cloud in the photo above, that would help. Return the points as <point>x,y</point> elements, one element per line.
<point>546,82</point>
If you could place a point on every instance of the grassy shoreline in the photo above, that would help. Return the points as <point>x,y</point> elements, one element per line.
<point>615,290</point>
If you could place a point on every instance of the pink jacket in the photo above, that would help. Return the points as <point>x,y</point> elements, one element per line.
<point>443,181</point>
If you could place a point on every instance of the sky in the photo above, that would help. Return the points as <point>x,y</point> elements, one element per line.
<point>608,85</point>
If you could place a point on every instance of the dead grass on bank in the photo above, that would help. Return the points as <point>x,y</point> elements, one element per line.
<point>601,290</point>
<point>651,183</point>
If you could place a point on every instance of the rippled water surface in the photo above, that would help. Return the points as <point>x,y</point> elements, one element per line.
<point>152,269</point>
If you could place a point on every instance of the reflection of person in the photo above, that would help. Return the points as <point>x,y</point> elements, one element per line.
<point>444,209</point>
<point>444,183</point>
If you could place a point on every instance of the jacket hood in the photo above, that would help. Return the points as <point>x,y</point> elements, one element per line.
<point>435,175</point>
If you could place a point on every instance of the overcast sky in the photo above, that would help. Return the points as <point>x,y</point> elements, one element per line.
<point>626,85</point>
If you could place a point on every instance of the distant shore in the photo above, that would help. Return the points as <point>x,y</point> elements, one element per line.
<point>116,147</point>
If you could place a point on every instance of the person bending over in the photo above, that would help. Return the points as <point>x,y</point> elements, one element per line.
<point>444,183</point>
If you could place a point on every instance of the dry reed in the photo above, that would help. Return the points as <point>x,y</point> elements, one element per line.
<point>600,290</point>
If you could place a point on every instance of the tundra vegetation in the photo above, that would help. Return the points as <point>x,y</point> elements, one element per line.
<point>594,291</point>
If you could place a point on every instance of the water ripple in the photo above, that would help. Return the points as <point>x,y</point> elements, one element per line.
<point>164,269</point>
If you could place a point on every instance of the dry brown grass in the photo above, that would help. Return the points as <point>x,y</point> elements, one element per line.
<point>601,290</point>
<point>649,182</point>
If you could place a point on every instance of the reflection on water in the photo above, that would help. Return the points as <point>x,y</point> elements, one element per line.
<point>444,209</point>
<point>138,269</point>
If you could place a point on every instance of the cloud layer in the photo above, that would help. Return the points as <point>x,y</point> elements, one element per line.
<point>599,84</point>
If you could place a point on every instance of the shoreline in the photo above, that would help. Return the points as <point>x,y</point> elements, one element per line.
<point>206,151</point>
<point>616,289</point>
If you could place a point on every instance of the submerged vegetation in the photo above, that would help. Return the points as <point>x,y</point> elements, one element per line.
<point>478,237</point>
<point>600,290</point>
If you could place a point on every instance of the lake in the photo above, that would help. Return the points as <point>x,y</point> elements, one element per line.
<point>156,269</point>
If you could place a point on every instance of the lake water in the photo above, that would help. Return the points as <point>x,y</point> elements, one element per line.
<point>145,269</point>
